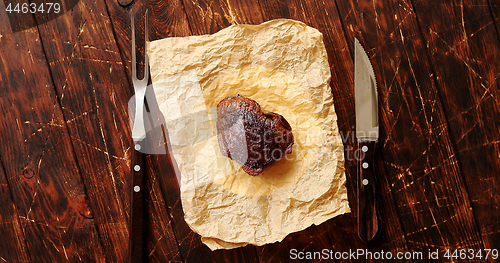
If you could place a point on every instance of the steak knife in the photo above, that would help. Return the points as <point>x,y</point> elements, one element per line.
<point>367,134</point>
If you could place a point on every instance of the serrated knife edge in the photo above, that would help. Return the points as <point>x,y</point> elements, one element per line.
<point>366,94</point>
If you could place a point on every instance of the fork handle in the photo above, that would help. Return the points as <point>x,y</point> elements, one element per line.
<point>138,217</point>
<point>138,128</point>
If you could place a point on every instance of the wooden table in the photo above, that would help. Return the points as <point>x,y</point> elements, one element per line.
<point>66,144</point>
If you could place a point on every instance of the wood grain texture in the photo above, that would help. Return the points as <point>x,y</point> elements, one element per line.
<point>40,165</point>
<point>208,17</point>
<point>205,16</point>
<point>495,13</point>
<point>88,75</point>
<point>162,241</point>
<point>12,241</point>
<point>421,164</point>
<point>463,44</point>
<point>65,133</point>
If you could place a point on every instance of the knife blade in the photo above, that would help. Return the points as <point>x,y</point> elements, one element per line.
<point>367,134</point>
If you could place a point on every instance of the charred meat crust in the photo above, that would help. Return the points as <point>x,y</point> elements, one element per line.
<point>250,137</point>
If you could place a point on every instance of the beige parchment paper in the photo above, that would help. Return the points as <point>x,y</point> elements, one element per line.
<point>282,64</point>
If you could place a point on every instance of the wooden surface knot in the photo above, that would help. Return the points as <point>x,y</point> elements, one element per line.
<point>83,206</point>
<point>125,3</point>
<point>28,173</point>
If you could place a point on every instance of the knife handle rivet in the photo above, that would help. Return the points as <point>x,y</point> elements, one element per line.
<point>137,168</point>
<point>137,189</point>
<point>365,165</point>
<point>365,181</point>
<point>137,147</point>
<point>364,148</point>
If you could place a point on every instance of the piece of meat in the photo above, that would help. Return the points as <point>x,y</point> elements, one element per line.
<point>251,137</point>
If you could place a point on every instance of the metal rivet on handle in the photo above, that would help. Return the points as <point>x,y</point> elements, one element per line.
<point>364,148</point>
<point>365,165</point>
<point>365,181</point>
<point>137,168</point>
<point>137,147</point>
<point>137,189</point>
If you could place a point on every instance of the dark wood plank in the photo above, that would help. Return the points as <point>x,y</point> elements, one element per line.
<point>242,11</point>
<point>205,17</point>
<point>464,49</point>
<point>421,164</point>
<point>342,231</point>
<point>208,17</point>
<point>162,243</point>
<point>12,241</point>
<point>297,246</point>
<point>495,12</point>
<point>90,81</point>
<point>38,157</point>
<point>435,167</point>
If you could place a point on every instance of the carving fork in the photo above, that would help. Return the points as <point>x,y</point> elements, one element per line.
<point>138,231</point>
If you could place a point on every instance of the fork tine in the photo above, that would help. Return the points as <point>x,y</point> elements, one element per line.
<point>134,70</point>
<point>146,39</point>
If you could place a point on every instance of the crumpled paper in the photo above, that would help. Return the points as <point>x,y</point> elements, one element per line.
<point>281,64</point>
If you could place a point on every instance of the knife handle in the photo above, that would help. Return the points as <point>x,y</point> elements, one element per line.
<point>137,235</point>
<point>368,222</point>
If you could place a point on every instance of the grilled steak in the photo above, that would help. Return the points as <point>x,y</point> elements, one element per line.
<point>251,137</point>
